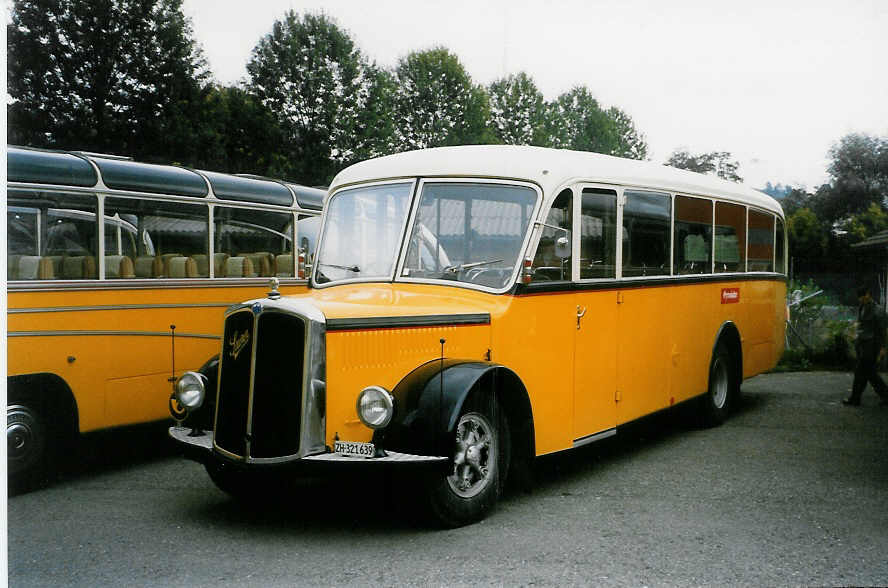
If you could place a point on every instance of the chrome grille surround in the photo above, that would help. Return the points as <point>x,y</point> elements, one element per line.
<point>312,425</point>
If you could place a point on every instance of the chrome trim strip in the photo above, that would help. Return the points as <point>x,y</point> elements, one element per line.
<point>145,284</point>
<point>114,307</point>
<point>108,333</point>
<point>593,438</point>
<point>395,322</point>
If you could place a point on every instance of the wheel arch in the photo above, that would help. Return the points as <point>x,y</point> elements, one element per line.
<point>54,395</point>
<point>729,336</point>
<point>430,399</point>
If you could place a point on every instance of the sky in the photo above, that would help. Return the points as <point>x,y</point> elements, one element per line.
<point>776,83</point>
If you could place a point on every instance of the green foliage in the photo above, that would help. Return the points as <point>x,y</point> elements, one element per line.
<point>310,74</point>
<point>807,234</point>
<point>436,104</point>
<point>576,121</point>
<point>717,162</point>
<point>858,176</point>
<point>116,76</point>
<point>517,111</point>
<point>867,223</point>
<point>818,338</point>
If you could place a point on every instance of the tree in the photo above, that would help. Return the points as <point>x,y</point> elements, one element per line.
<point>310,74</point>
<point>517,111</point>
<point>576,121</point>
<point>859,176</point>
<point>807,234</point>
<point>714,162</point>
<point>435,103</point>
<point>116,76</point>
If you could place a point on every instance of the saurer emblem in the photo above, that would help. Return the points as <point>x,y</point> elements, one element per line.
<point>237,343</point>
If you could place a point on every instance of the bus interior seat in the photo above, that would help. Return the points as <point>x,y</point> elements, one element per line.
<point>29,267</point>
<point>181,267</point>
<point>79,267</point>
<point>203,265</point>
<point>262,262</point>
<point>148,266</point>
<point>239,267</point>
<point>119,266</point>
<point>165,263</point>
<point>283,265</point>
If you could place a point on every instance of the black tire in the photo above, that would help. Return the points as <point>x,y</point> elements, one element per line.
<point>30,452</point>
<point>468,491</point>
<point>721,395</point>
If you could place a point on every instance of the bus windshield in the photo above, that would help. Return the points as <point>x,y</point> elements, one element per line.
<point>462,232</point>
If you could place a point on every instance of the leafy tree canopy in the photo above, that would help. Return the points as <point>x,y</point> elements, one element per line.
<point>116,76</point>
<point>858,176</point>
<point>517,111</point>
<point>435,103</point>
<point>576,121</point>
<point>719,163</point>
<point>312,76</point>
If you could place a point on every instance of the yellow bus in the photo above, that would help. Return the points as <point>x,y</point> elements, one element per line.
<point>473,307</point>
<point>92,305</point>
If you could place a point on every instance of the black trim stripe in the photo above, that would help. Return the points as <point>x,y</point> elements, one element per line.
<point>399,322</point>
<point>550,287</point>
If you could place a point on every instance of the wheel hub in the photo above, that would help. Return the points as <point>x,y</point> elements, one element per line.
<point>22,440</point>
<point>475,447</point>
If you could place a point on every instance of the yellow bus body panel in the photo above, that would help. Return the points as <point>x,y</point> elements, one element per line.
<point>637,351</point>
<point>112,347</point>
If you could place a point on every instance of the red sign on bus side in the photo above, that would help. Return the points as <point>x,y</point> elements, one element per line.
<point>730,295</point>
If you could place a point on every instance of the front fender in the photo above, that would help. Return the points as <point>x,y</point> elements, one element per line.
<point>428,402</point>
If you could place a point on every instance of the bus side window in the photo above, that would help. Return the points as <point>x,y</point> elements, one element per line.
<point>547,265</point>
<point>692,240</point>
<point>308,228</point>
<point>730,237</point>
<point>253,243</point>
<point>761,241</point>
<point>780,257</point>
<point>598,234</point>
<point>66,237</point>
<point>646,217</point>
<point>155,239</point>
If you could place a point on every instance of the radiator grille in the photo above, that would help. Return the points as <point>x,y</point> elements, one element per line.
<point>266,423</point>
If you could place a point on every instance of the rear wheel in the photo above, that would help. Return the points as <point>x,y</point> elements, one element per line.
<point>468,491</point>
<point>719,399</point>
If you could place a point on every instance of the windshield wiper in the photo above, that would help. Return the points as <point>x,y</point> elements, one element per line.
<point>461,266</point>
<point>348,268</point>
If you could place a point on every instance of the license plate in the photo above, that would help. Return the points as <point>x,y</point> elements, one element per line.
<point>354,449</point>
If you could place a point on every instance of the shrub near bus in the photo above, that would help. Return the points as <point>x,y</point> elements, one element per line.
<point>473,307</point>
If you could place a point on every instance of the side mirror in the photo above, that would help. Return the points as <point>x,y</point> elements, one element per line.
<point>562,246</point>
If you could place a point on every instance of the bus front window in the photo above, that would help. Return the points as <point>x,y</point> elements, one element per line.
<point>469,232</point>
<point>362,233</point>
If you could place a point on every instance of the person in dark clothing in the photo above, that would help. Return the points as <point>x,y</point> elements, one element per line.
<point>870,346</point>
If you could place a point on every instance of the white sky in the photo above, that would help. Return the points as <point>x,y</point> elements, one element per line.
<point>774,82</point>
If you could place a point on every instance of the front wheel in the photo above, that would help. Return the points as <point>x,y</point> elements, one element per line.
<point>469,490</point>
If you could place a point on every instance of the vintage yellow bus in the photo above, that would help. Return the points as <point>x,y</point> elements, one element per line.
<point>91,304</point>
<point>473,307</point>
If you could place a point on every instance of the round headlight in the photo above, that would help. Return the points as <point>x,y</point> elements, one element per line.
<point>190,390</point>
<point>375,407</point>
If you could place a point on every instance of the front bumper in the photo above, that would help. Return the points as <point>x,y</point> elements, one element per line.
<point>199,447</point>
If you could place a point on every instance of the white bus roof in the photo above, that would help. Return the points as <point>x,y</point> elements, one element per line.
<point>551,169</point>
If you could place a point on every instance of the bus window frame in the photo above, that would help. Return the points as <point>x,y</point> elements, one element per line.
<point>100,192</point>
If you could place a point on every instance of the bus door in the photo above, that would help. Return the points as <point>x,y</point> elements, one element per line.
<point>595,353</point>
<point>644,313</point>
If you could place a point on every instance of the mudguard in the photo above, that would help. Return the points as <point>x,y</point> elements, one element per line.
<point>203,417</point>
<point>428,402</point>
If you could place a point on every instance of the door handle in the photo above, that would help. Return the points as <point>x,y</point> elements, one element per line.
<point>580,314</point>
